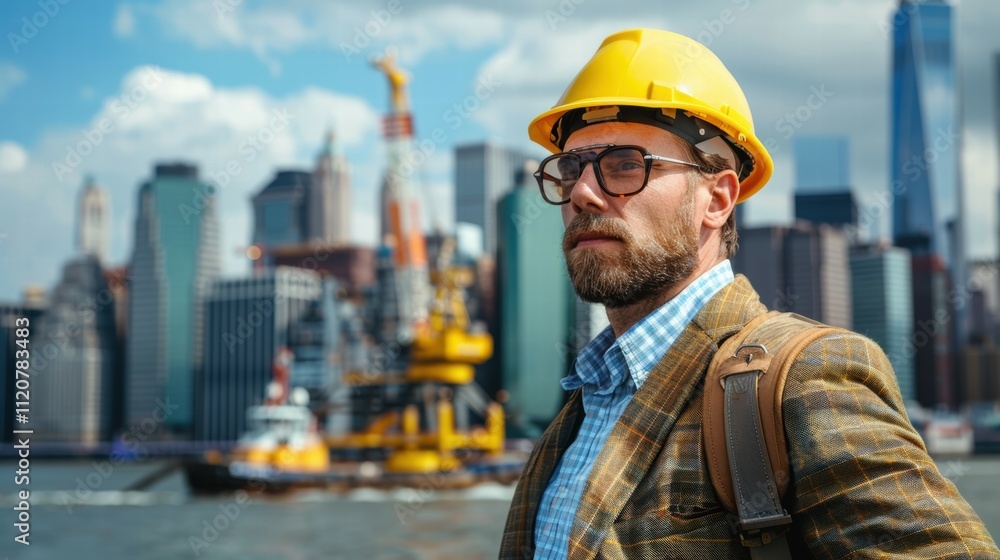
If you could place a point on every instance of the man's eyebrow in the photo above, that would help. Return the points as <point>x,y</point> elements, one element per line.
<point>581,148</point>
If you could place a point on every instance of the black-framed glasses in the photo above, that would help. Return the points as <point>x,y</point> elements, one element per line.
<point>620,170</point>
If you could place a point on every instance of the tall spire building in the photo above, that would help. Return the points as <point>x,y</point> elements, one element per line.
<point>926,186</point>
<point>76,391</point>
<point>92,221</point>
<point>300,208</point>
<point>330,196</point>
<point>925,125</point>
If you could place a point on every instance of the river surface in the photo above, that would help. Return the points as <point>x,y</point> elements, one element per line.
<point>80,511</point>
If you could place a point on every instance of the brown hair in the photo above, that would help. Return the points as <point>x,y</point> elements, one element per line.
<point>710,165</point>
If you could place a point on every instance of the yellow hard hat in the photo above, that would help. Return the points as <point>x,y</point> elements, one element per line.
<point>689,90</point>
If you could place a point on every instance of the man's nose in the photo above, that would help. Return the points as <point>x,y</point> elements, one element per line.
<point>586,195</point>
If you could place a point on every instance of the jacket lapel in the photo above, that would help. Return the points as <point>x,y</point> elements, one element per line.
<point>519,533</point>
<point>637,438</point>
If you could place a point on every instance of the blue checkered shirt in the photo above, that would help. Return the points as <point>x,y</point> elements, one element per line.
<point>610,371</point>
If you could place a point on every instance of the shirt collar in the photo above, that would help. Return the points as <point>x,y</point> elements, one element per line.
<point>647,341</point>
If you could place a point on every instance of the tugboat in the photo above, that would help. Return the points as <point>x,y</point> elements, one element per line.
<point>281,449</point>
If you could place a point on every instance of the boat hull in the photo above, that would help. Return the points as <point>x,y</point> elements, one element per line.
<point>205,477</point>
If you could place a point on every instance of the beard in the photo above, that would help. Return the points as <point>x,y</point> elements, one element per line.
<point>637,270</point>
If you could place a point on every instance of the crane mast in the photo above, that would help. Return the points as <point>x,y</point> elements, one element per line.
<point>442,346</point>
<point>406,239</point>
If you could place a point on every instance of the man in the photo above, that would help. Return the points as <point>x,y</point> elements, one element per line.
<point>654,146</point>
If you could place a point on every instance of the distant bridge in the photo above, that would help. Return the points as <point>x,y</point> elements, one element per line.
<point>127,450</point>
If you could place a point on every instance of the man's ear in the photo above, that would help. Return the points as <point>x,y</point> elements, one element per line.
<point>724,188</point>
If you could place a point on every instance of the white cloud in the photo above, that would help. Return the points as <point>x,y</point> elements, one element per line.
<point>354,29</point>
<point>159,115</point>
<point>124,23</point>
<point>531,70</point>
<point>11,76</point>
<point>13,158</point>
<point>542,49</point>
<point>440,28</point>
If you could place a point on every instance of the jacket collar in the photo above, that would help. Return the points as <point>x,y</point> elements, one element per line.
<point>638,437</point>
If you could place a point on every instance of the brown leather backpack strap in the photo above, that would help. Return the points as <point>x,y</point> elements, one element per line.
<point>771,390</point>
<point>745,441</point>
<point>713,410</point>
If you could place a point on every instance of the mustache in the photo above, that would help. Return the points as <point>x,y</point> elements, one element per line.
<point>586,223</point>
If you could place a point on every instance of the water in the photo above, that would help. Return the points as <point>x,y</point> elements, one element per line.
<point>167,522</point>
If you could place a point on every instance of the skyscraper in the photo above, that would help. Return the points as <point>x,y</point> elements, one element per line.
<point>822,163</point>
<point>247,321</point>
<point>926,183</point>
<point>483,173</point>
<point>92,221</point>
<point>300,208</point>
<point>996,93</point>
<point>330,196</point>
<point>16,316</point>
<point>74,388</point>
<point>281,210</point>
<point>536,304</point>
<point>803,268</point>
<point>996,112</point>
<point>883,307</point>
<point>984,298</point>
<point>174,259</point>
<point>925,126</point>
<point>822,181</point>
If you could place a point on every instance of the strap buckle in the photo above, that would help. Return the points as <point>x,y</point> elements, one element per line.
<point>763,530</point>
<point>736,354</point>
<point>749,358</point>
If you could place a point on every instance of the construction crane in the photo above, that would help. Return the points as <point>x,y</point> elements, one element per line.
<point>403,209</point>
<point>443,347</point>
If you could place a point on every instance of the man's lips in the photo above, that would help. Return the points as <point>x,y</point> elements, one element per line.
<point>593,239</point>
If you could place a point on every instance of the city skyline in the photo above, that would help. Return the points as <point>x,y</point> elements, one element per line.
<point>182,78</point>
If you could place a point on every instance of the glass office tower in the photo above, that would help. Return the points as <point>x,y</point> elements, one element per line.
<point>926,187</point>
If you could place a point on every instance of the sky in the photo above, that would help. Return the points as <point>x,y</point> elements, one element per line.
<point>108,89</point>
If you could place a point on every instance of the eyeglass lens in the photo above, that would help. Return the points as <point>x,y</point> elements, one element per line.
<point>621,171</point>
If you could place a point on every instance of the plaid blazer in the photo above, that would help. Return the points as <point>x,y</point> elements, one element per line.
<point>862,483</point>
